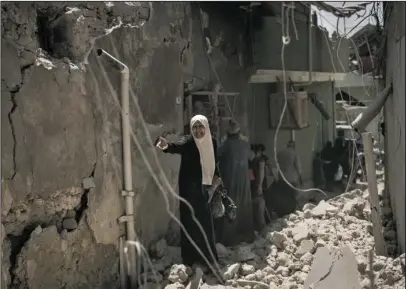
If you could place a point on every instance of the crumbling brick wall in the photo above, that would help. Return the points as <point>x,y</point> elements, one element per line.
<point>61,129</point>
<point>61,126</point>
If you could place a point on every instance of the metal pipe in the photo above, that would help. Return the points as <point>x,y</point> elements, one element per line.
<point>126,135</point>
<point>310,47</point>
<point>309,52</point>
<point>123,272</point>
<point>292,135</point>
<point>364,118</point>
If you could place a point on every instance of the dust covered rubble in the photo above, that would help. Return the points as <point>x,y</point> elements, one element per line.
<point>282,256</point>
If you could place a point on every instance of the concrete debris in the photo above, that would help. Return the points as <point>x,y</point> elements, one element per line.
<point>247,269</point>
<point>295,250</point>
<point>158,249</point>
<point>231,271</point>
<point>322,209</point>
<point>305,247</point>
<point>222,251</point>
<point>88,183</point>
<point>69,224</point>
<point>333,269</point>
<point>278,239</point>
<point>178,274</point>
<point>176,285</point>
<point>244,253</point>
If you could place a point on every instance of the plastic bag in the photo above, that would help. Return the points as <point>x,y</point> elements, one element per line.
<point>222,205</point>
<point>217,207</point>
<point>339,174</point>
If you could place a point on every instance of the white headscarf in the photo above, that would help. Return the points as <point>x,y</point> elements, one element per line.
<point>206,150</point>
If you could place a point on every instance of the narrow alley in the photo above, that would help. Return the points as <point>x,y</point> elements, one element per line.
<point>203,145</point>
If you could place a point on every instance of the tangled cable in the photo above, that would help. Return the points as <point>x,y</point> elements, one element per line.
<point>340,11</point>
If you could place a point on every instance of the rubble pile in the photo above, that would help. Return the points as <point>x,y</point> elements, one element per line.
<point>388,221</point>
<point>282,255</point>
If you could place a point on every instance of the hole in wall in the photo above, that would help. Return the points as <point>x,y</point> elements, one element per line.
<point>52,35</point>
<point>44,32</point>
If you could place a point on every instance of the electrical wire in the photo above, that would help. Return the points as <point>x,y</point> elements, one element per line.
<point>363,85</point>
<point>215,267</point>
<point>163,182</point>
<point>285,42</point>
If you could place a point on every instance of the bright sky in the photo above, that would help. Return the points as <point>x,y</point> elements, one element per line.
<point>329,21</point>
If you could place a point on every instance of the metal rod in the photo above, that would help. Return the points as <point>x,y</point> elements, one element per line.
<point>126,136</point>
<point>123,272</point>
<point>373,195</point>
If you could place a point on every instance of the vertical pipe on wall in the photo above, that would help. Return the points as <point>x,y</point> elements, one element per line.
<point>126,136</point>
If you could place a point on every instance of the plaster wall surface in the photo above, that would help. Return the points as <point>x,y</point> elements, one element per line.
<point>61,124</point>
<point>395,119</point>
<point>308,140</point>
<point>327,57</point>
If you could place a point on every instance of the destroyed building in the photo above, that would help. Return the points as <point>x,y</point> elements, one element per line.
<point>62,173</point>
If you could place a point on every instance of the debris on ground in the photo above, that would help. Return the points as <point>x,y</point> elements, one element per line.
<point>286,253</point>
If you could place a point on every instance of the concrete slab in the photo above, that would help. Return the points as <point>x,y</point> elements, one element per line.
<point>196,282</point>
<point>333,269</point>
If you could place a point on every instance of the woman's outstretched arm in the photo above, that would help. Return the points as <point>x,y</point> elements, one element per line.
<point>176,147</point>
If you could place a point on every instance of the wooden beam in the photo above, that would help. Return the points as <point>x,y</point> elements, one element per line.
<point>380,245</point>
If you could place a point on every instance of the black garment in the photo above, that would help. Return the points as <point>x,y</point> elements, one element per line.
<point>233,163</point>
<point>281,198</point>
<point>318,172</point>
<point>340,155</point>
<point>345,162</point>
<point>329,165</point>
<point>191,189</point>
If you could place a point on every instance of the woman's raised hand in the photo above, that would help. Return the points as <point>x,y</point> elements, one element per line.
<point>162,143</point>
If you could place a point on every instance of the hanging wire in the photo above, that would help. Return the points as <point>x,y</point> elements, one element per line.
<point>162,182</point>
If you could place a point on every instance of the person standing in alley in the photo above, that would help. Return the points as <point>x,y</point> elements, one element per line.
<point>258,187</point>
<point>327,157</point>
<point>289,163</point>
<point>234,157</point>
<point>251,162</point>
<point>198,173</point>
<point>284,197</point>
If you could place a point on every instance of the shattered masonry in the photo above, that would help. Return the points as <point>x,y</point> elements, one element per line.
<point>283,256</point>
<point>61,161</point>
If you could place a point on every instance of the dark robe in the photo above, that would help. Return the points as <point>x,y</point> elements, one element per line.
<point>233,161</point>
<point>191,189</point>
<point>329,166</point>
<point>281,198</point>
<point>339,154</point>
<point>318,172</point>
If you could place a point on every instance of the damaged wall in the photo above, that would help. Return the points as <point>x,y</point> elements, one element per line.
<point>61,128</point>
<point>225,25</point>
<point>327,56</point>
<point>61,125</point>
<point>309,140</point>
<point>395,117</point>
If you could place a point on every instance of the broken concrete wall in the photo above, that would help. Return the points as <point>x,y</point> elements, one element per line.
<point>61,128</point>
<point>311,139</point>
<point>395,117</point>
<point>61,125</point>
<point>225,26</point>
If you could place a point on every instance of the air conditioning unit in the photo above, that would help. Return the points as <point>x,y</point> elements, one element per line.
<point>296,115</point>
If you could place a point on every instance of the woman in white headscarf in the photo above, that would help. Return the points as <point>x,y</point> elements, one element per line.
<point>198,172</point>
